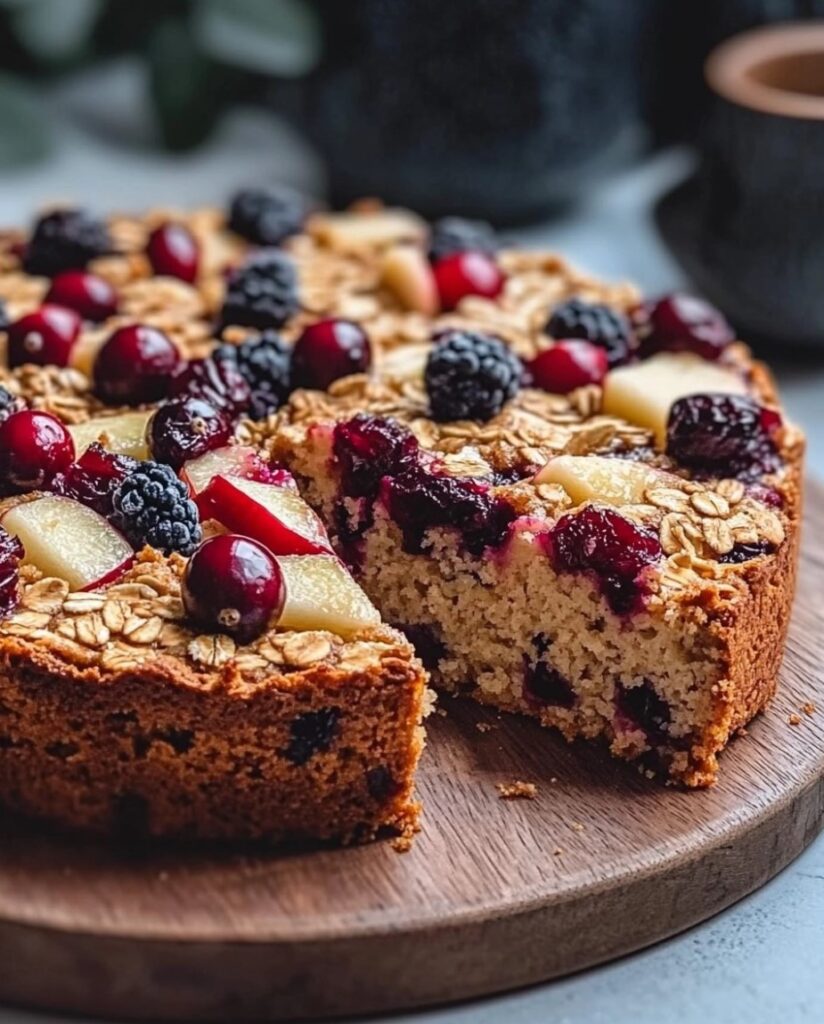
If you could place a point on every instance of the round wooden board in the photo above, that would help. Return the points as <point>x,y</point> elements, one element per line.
<point>494,894</point>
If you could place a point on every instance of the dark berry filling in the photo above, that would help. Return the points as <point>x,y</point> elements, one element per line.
<point>744,552</point>
<point>684,323</point>
<point>596,323</point>
<point>727,435</point>
<point>601,541</point>
<point>311,733</point>
<point>380,783</point>
<point>93,478</point>
<point>367,448</point>
<point>641,707</point>
<point>11,552</point>
<point>470,375</point>
<point>543,684</point>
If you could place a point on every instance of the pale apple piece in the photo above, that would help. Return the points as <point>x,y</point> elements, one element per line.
<point>643,393</point>
<point>65,539</point>
<point>597,478</point>
<point>231,460</point>
<point>356,230</point>
<point>275,516</point>
<point>124,434</point>
<point>406,362</point>
<point>406,272</point>
<point>84,351</point>
<point>320,594</point>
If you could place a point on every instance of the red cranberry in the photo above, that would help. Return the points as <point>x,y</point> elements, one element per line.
<point>328,350</point>
<point>217,381</point>
<point>684,323</point>
<point>135,365</point>
<point>569,365</point>
<point>11,552</point>
<point>467,273</point>
<point>731,435</point>
<point>34,448</point>
<point>173,251</point>
<point>93,478</point>
<point>185,428</point>
<point>601,541</point>
<point>233,585</point>
<point>87,294</point>
<point>45,336</point>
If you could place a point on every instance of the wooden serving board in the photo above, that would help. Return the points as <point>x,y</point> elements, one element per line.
<point>494,894</point>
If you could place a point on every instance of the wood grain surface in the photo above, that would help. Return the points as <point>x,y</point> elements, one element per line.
<point>494,894</point>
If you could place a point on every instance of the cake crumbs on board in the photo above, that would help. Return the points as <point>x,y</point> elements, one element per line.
<point>517,790</point>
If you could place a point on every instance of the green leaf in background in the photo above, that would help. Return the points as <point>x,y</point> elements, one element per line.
<point>270,37</point>
<point>24,125</point>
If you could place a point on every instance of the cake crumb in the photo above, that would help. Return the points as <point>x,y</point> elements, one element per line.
<point>809,708</point>
<point>403,842</point>
<point>794,719</point>
<point>576,826</point>
<point>517,790</point>
<point>553,780</point>
<point>484,726</point>
<point>557,851</point>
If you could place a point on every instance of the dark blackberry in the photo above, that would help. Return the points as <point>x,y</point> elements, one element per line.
<point>9,403</point>
<point>152,506</point>
<point>65,240</point>
<point>263,362</point>
<point>455,234</point>
<point>470,375</point>
<point>642,708</point>
<point>311,733</point>
<point>262,293</point>
<point>596,323</point>
<point>265,216</point>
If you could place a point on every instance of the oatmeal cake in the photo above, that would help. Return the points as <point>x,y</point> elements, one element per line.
<point>578,504</point>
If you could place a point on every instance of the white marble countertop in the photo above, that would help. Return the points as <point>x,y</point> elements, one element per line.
<point>760,961</point>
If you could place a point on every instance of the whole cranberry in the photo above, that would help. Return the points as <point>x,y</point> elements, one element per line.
<point>467,273</point>
<point>328,350</point>
<point>185,428</point>
<point>217,381</point>
<point>233,585</point>
<point>569,365</point>
<point>684,323</point>
<point>135,366</point>
<point>34,448</point>
<point>173,251</point>
<point>44,337</point>
<point>87,294</point>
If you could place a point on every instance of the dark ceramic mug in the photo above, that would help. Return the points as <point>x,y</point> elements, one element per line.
<point>749,228</point>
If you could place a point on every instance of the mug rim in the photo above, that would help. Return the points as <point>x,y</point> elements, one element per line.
<point>730,68</point>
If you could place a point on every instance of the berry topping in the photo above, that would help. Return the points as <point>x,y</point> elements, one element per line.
<point>34,448</point>
<point>11,552</point>
<point>467,273</point>
<point>312,733</point>
<point>265,216</point>
<point>65,240</point>
<point>233,585</point>
<point>328,350</point>
<point>151,506</point>
<point>731,435</point>
<point>263,362</point>
<point>744,552</point>
<point>602,541</point>
<point>92,297</point>
<point>217,381</point>
<point>135,366</point>
<point>569,365</point>
<point>9,403</point>
<point>92,479</point>
<point>186,427</point>
<point>470,375</point>
<point>44,337</point>
<point>173,251</point>
<point>263,292</point>
<point>640,707</point>
<point>451,235</point>
<point>367,448</point>
<point>544,685</point>
<point>593,322</point>
<point>684,323</point>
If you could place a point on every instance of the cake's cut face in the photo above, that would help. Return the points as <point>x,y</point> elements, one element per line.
<point>578,505</point>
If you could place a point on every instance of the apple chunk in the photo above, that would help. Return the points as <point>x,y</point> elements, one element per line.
<point>643,393</point>
<point>596,478</point>
<point>276,516</point>
<point>66,539</point>
<point>123,435</point>
<point>235,460</point>
<point>320,594</point>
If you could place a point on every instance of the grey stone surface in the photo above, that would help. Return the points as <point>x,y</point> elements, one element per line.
<point>760,961</point>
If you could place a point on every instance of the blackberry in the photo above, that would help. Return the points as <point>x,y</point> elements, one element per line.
<point>455,234</point>
<point>470,375</point>
<point>262,293</point>
<point>9,403</point>
<point>65,240</point>
<point>152,506</point>
<point>263,362</point>
<point>596,323</point>
<point>265,216</point>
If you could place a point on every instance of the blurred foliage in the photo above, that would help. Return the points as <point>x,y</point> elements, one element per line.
<point>201,56</point>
